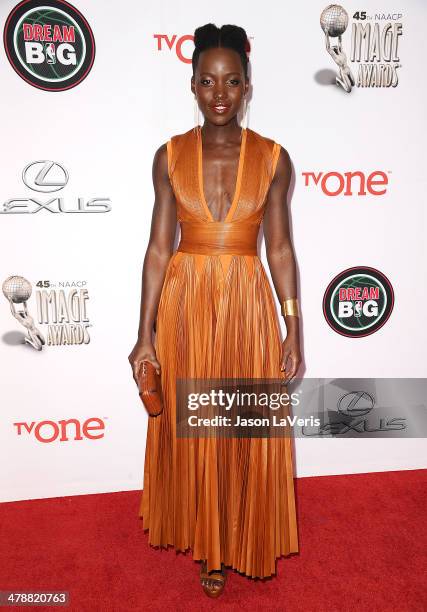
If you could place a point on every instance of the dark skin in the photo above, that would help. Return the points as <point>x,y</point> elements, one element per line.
<point>219,77</point>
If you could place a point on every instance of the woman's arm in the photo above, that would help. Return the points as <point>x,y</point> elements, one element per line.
<point>157,256</point>
<point>280,257</point>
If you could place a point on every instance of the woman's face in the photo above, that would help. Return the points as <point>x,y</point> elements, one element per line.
<point>219,84</point>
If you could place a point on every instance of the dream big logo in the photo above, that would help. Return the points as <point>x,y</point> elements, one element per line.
<point>358,301</point>
<point>49,44</point>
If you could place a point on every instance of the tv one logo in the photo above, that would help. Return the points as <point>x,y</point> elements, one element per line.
<point>353,183</point>
<point>164,41</point>
<point>65,430</point>
<point>182,45</point>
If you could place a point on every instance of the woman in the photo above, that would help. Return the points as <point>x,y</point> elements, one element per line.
<point>231,501</point>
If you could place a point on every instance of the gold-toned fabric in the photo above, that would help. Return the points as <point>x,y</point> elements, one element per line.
<point>229,500</point>
<point>290,307</point>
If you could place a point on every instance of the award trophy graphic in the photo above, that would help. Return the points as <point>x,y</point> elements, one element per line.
<point>17,290</point>
<point>334,22</point>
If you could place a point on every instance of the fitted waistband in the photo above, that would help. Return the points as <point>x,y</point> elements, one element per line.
<point>216,238</point>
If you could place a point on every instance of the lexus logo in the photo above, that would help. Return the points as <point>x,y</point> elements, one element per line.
<point>356,403</point>
<point>360,416</point>
<point>45,176</point>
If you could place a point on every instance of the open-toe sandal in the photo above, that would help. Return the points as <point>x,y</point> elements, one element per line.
<point>213,583</point>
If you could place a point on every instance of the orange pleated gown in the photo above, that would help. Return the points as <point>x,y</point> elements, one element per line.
<point>229,500</point>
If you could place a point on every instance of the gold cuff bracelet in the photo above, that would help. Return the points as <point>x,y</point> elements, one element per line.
<point>290,307</point>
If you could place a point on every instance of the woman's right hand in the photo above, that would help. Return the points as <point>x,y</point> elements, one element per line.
<point>142,351</point>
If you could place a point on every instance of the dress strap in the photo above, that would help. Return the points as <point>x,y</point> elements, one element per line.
<point>169,154</point>
<point>274,159</point>
<point>174,146</point>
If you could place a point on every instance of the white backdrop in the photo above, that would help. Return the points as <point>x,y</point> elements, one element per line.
<point>104,132</point>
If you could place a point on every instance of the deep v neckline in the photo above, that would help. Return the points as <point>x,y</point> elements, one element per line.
<point>238,176</point>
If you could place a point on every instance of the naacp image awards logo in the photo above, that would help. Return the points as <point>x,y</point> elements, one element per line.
<point>61,309</point>
<point>374,47</point>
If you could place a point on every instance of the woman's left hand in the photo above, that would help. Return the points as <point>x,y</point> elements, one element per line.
<point>291,356</point>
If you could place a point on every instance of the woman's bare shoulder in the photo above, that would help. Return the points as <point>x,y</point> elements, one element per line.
<point>168,152</point>
<point>174,139</point>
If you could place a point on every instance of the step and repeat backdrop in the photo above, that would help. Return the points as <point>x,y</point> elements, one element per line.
<point>90,90</point>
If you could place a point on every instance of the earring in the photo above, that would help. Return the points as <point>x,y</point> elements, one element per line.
<point>196,114</point>
<point>244,122</point>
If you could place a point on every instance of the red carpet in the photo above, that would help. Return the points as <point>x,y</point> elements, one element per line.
<point>362,537</point>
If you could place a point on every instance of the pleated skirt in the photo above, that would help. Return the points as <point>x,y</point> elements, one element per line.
<point>228,500</point>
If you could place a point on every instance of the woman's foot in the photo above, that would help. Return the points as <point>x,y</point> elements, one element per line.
<point>213,583</point>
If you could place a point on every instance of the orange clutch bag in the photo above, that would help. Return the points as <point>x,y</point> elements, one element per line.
<point>150,389</point>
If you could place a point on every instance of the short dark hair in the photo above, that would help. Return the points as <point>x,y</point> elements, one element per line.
<point>228,36</point>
